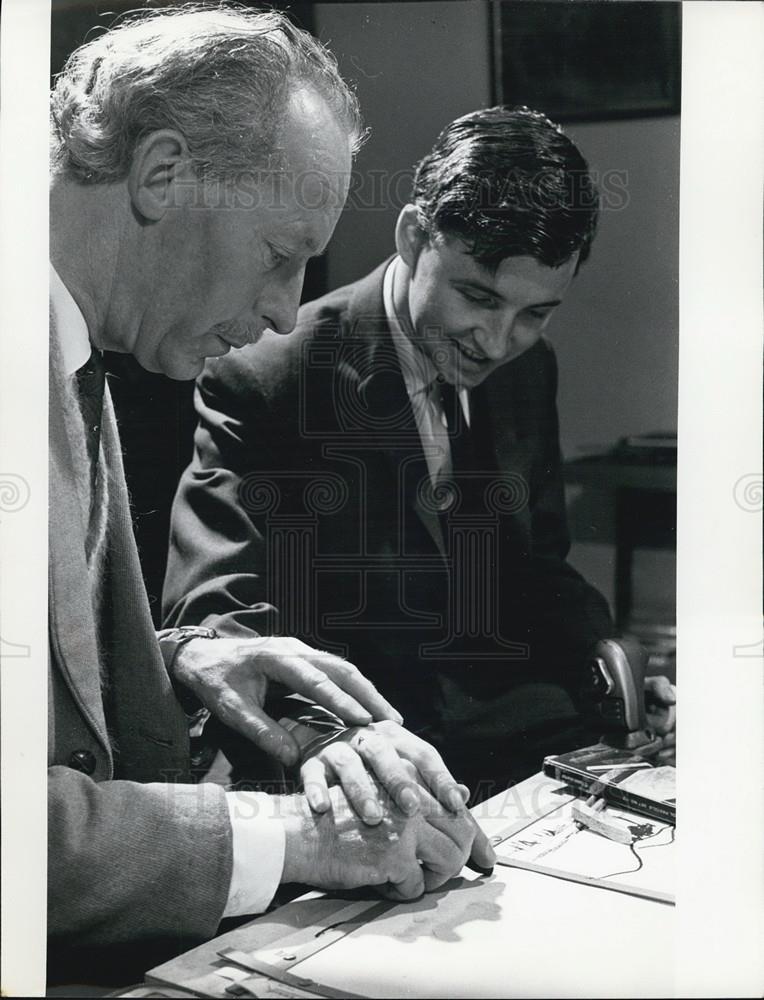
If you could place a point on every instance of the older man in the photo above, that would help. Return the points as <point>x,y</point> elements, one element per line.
<point>428,388</point>
<point>199,159</point>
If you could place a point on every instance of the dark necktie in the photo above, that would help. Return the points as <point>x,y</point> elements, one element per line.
<point>464,463</point>
<point>459,436</point>
<point>90,386</point>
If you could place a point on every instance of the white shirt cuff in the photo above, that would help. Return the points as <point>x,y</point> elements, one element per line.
<point>259,842</point>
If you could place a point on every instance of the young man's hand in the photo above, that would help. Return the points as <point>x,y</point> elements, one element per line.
<point>660,704</point>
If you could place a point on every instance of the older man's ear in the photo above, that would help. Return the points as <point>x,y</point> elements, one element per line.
<point>161,174</point>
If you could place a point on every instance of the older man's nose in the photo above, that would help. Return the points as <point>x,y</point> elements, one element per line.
<point>279,310</point>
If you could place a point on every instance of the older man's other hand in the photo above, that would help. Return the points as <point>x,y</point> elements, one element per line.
<point>402,856</point>
<point>230,677</point>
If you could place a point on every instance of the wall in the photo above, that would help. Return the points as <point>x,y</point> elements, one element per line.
<point>617,332</point>
<point>616,336</point>
<point>415,66</point>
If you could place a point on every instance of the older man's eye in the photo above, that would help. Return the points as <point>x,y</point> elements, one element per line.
<point>277,258</point>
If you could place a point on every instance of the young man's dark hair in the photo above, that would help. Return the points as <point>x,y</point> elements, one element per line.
<point>509,183</point>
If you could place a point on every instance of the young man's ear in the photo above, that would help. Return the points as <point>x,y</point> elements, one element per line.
<point>160,169</point>
<point>409,236</point>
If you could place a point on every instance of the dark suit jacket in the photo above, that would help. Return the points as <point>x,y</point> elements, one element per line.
<point>306,511</point>
<point>124,838</point>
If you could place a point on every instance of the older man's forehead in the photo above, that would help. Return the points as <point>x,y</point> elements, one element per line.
<point>299,231</point>
<point>313,144</point>
<point>296,188</point>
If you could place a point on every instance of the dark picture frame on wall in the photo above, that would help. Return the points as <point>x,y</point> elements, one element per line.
<point>588,61</point>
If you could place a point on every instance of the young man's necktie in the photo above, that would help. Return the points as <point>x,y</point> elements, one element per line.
<point>459,436</point>
<point>464,465</point>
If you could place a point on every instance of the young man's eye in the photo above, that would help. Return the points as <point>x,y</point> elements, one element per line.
<point>479,300</point>
<point>539,314</point>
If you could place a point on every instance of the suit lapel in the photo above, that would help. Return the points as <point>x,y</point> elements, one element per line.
<point>72,627</point>
<point>495,406</point>
<point>151,729</point>
<point>492,428</point>
<point>381,394</point>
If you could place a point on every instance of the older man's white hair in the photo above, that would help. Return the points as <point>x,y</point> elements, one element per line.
<point>221,76</point>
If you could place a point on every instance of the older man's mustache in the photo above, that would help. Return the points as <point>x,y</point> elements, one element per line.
<point>238,333</point>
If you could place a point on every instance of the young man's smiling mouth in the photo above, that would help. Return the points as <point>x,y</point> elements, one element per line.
<point>470,353</point>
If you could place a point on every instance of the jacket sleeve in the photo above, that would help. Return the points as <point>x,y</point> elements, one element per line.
<point>568,615</point>
<point>131,862</point>
<point>216,562</point>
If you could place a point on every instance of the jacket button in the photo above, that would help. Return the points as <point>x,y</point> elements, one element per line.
<point>82,760</point>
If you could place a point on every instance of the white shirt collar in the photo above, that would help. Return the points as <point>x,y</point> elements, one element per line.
<point>70,323</point>
<point>417,369</point>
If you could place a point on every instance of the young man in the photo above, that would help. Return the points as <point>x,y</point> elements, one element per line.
<point>399,453</point>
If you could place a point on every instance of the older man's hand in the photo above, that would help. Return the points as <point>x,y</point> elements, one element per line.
<point>402,856</point>
<point>230,676</point>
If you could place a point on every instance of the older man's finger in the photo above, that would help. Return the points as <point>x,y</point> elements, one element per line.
<point>348,677</point>
<point>301,677</point>
<point>253,723</point>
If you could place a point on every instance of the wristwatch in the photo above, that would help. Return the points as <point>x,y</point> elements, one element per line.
<point>170,644</point>
<point>172,640</point>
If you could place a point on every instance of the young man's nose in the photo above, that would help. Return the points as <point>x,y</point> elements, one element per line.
<point>505,339</point>
<point>495,340</point>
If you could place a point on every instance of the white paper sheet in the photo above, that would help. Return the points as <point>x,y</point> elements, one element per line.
<point>513,934</point>
<point>587,853</point>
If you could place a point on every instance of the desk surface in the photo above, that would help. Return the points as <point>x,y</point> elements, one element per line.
<point>516,933</point>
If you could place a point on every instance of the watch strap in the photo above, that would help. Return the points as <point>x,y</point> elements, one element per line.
<point>170,643</point>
